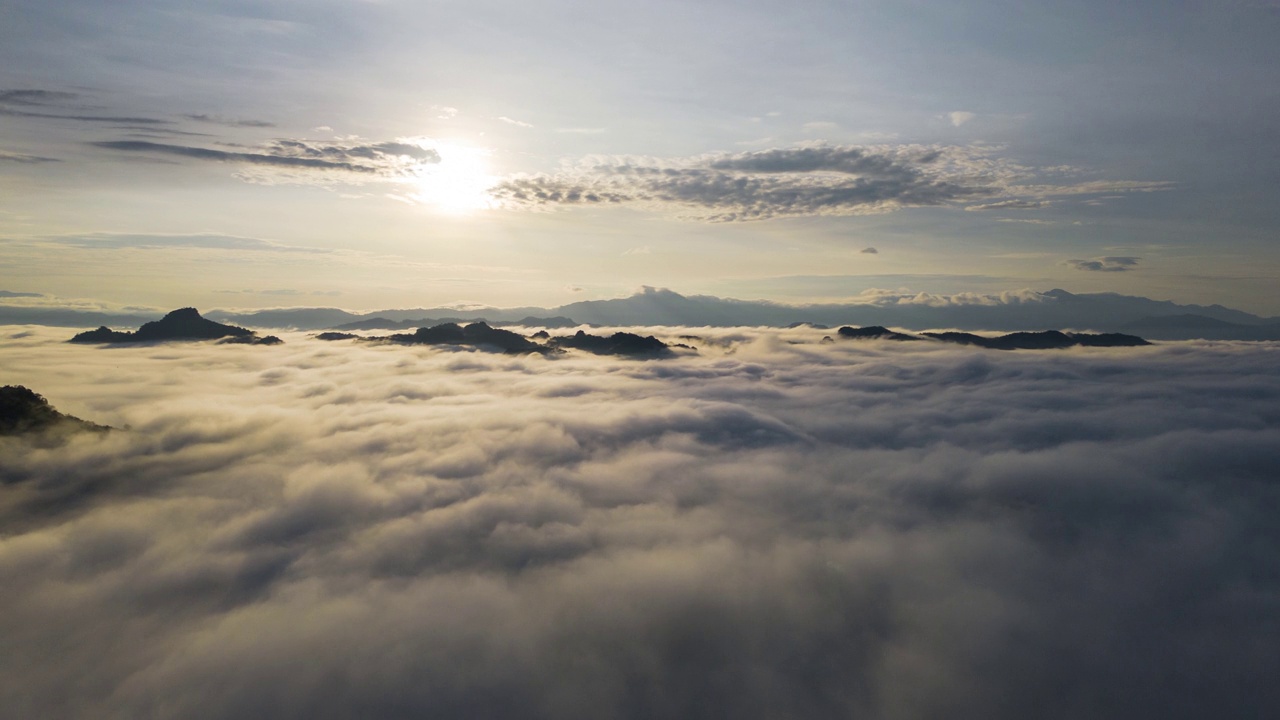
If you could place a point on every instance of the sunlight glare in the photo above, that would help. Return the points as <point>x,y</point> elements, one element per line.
<point>457,185</point>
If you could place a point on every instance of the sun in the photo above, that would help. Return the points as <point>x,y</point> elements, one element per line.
<point>457,185</point>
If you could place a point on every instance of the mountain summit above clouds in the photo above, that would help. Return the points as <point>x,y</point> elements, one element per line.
<point>181,324</point>
<point>1046,340</point>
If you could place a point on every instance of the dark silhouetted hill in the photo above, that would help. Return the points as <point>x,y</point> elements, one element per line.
<point>619,343</point>
<point>251,340</point>
<point>482,335</point>
<point>476,334</point>
<point>449,333</point>
<point>381,323</point>
<point>182,324</point>
<point>807,324</point>
<point>1045,340</point>
<point>874,332</point>
<point>479,333</point>
<point>24,411</point>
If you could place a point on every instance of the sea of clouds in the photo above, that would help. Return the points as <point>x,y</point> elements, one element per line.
<point>771,527</point>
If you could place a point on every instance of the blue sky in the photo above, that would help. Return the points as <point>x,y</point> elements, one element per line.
<point>369,154</point>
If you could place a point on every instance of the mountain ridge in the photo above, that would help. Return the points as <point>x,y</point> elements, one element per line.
<point>1104,312</point>
<point>1029,311</point>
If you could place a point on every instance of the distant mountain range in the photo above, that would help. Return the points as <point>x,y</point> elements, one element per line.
<point>1098,312</point>
<point>1189,326</point>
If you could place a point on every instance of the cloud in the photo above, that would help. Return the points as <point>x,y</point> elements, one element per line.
<point>25,159</point>
<point>12,294</point>
<point>1105,264</point>
<point>230,122</point>
<point>783,182</point>
<point>764,530</point>
<point>1093,187</point>
<point>34,97</point>
<point>869,251</point>
<point>1009,205</point>
<point>212,241</point>
<point>960,117</point>
<point>517,123</point>
<point>805,181</point>
<point>53,105</point>
<point>86,118</point>
<point>146,131</point>
<point>386,159</point>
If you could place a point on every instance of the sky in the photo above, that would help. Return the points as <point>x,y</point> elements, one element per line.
<point>380,153</point>
<point>771,527</point>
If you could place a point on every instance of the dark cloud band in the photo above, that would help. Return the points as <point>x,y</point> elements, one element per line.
<point>380,158</point>
<point>1122,263</point>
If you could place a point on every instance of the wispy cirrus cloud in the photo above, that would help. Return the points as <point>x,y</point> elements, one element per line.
<point>34,97</point>
<point>381,159</point>
<point>6,156</point>
<point>1009,205</point>
<point>89,118</point>
<point>230,122</point>
<point>59,105</point>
